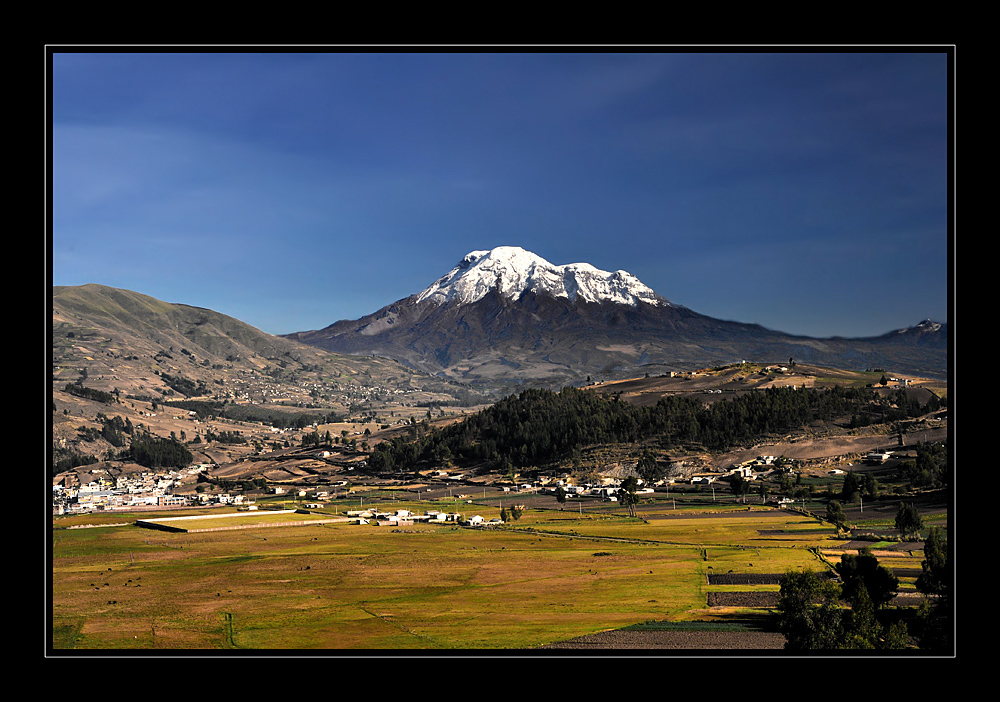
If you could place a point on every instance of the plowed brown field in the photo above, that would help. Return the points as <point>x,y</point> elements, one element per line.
<point>676,640</point>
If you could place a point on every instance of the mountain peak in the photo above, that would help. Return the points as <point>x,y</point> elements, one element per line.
<point>513,271</point>
<point>928,326</point>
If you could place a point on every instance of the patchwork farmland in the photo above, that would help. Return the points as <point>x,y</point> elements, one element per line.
<point>693,578</point>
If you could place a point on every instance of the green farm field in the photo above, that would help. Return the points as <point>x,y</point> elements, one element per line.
<point>552,576</point>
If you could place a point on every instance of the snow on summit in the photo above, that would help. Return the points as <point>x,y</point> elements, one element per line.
<point>513,271</point>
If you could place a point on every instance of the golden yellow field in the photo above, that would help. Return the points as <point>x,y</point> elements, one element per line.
<point>553,576</point>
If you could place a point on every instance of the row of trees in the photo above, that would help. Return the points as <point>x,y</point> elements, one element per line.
<point>208,409</point>
<point>908,520</point>
<point>63,460</point>
<point>859,485</point>
<point>511,514</point>
<point>225,437</point>
<point>185,386</point>
<point>245,484</point>
<point>90,393</point>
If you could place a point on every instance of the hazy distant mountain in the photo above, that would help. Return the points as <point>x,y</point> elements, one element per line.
<point>508,316</point>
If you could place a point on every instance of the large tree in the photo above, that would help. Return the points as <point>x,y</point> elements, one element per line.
<point>561,495</point>
<point>908,519</point>
<point>863,572</point>
<point>861,628</point>
<point>739,485</point>
<point>935,578</point>
<point>809,612</point>
<point>627,493</point>
<point>648,468</point>
<point>851,489</point>
<point>812,617</point>
<point>937,622</point>
<point>835,514</point>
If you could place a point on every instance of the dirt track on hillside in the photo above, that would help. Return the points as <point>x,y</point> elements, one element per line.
<point>830,447</point>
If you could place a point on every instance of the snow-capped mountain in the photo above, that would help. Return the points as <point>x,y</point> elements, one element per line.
<point>512,271</point>
<point>925,327</point>
<point>506,316</point>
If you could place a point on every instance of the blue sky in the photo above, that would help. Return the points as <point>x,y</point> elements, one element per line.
<point>807,192</point>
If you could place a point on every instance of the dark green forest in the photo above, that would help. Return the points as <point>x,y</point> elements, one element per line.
<point>541,426</point>
<point>157,452</point>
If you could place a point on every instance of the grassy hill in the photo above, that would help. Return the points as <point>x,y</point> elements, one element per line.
<point>135,349</point>
<point>118,339</point>
<point>726,381</point>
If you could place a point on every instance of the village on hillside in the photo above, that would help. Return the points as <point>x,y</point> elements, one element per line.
<point>103,492</point>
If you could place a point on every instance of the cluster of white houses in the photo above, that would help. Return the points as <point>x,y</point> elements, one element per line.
<point>91,497</point>
<point>405,517</point>
<point>134,491</point>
